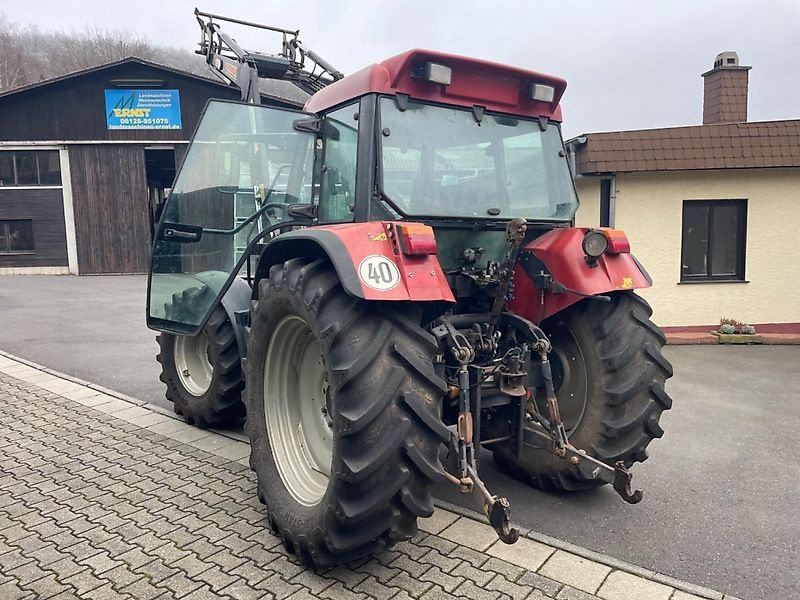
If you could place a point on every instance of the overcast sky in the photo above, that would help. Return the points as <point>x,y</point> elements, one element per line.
<point>629,64</point>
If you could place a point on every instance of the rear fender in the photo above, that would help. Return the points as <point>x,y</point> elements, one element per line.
<point>367,259</point>
<point>559,252</point>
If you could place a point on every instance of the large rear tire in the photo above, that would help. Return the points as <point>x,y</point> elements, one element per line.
<point>203,373</point>
<point>609,374</point>
<point>342,413</point>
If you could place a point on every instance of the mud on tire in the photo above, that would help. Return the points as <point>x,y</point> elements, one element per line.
<point>384,403</point>
<point>221,403</point>
<point>619,351</point>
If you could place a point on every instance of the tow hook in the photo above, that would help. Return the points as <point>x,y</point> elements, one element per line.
<point>498,509</point>
<point>622,484</point>
<point>499,518</point>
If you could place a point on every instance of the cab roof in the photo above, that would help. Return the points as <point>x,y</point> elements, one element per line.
<point>496,87</point>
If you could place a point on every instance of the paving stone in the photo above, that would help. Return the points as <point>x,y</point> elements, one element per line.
<point>540,582</point>
<point>191,565</point>
<point>278,587</point>
<point>381,572</point>
<point>11,591</point>
<point>156,571</point>
<point>470,534</point>
<point>346,576</point>
<point>46,587</point>
<point>436,593</point>
<point>475,575</point>
<point>624,586</point>
<point>439,577</point>
<point>412,567</point>
<point>473,557</point>
<point>503,568</point>
<point>226,560</point>
<point>66,567</point>
<point>406,582</point>
<point>180,584</point>
<point>474,592</point>
<point>13,559</point>
<point>575,571</point>
<point>570,593</point>
<point>122,576</point>
<point>251,572</point>
<point>375,589</point>
<point>240,590</point>
<point>439,521</point>
<point>215,578</point>
<point>436,558</point>
<point>84,582</point>
<point>525,553</point>
<point>312,581</point>
<point>681,595</point>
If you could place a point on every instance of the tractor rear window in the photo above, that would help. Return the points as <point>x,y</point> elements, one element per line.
<point>439,161</point>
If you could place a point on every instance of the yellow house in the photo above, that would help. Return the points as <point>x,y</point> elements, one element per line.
<point>710,210</point>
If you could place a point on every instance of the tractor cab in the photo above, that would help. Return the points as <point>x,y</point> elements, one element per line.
<point>459,144</point>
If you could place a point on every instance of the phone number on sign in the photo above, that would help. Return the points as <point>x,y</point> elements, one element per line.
<point>143,121</point>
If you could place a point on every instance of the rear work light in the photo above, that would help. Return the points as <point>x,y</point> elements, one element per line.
<point>542,93</point>
<point>416,239</point>
<point>604,240</point>
<point>437,73</point>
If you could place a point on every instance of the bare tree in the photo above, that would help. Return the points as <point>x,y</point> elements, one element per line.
<point>49,54</point>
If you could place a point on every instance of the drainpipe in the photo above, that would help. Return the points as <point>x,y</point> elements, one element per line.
<point>612,202</point>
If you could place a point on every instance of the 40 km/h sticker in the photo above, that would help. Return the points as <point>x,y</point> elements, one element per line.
<point>379,273</point>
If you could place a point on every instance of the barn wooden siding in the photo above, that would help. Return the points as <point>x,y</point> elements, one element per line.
<point>45,207</point>
<point>109,191</point>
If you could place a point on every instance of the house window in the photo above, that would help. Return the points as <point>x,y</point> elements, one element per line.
<point>713,244</point>
<point>29,167</point>
<point>16,237</point>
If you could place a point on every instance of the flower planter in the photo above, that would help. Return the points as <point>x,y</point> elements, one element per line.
<point>737,338</point>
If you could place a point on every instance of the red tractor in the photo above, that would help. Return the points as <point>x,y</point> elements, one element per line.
<point>390,281</point>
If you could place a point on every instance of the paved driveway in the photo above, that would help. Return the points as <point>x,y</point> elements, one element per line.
<point>721,506</point>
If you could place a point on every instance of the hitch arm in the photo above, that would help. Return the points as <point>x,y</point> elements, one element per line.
<point>496,508</point>
<point>591,468</point>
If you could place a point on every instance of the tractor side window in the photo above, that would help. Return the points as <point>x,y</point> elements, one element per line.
<point>337,192</point>
<point>245,166</point>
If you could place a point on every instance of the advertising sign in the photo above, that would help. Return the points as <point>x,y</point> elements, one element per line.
<point>143,109</point>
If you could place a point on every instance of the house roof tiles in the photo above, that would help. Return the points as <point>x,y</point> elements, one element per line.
<point>738,145</point>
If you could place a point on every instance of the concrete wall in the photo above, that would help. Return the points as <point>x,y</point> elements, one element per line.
<point>649,209</point>
<point>588,214</point>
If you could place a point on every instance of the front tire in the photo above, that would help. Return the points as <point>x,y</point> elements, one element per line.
<point>203,373</point>
<point>609,374</point>
<point>322,364</point>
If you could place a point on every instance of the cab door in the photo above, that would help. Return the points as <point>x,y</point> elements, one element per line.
<point>245,165</point>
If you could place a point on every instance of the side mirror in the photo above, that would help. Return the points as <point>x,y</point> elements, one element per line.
<point>302,212</point>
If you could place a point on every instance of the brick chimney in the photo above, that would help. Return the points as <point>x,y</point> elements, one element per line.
<point>725,91</point>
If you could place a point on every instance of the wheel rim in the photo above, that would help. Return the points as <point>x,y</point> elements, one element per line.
<point>297,410</point>
<point>569,378</point>
<point>193,364</point>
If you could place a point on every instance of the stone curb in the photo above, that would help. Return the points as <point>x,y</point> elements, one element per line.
<point>598,557</point>
<point>236,449</point>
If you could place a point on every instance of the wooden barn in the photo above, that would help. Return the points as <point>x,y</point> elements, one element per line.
<point>86,160</point>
